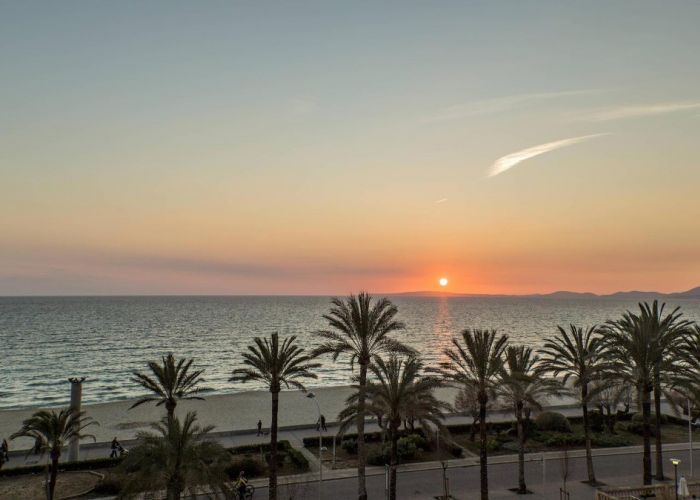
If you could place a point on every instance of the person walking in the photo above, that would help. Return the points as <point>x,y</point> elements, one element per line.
<point>37,445</point>
<point>115,448</point>
<point>5,450</point>
<point>241,485</point>
<point>323,423</point>
<point>259,427</point>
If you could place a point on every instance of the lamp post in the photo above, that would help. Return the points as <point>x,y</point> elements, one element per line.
<point>312,396</point>
<point>690,437</point>
<point>675,462</point>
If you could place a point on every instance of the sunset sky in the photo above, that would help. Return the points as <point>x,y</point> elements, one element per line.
<point>327,147</point>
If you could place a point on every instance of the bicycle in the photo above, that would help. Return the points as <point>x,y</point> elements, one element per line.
<point>249,492</point>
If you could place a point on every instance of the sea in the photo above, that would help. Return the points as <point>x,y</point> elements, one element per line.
<point>46,340</point>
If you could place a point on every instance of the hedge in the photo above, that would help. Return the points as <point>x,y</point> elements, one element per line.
<point>96,463</point>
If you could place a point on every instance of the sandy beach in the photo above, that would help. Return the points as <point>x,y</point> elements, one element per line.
<point>227,412</point>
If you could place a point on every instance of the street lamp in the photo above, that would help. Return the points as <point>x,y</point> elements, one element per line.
<point>312,396</point>
<point>675,462</point>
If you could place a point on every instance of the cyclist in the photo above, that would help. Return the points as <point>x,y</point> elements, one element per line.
<point>241,485</point>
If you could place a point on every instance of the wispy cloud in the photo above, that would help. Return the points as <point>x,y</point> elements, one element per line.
<point>496,105</point>
<point>622,112</point>
<point>509,161</point>
<point>441,200</point>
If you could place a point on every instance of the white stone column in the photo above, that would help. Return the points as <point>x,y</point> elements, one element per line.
<point>76,396</point>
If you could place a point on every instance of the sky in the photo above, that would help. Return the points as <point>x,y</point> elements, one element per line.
<point>329,147</point>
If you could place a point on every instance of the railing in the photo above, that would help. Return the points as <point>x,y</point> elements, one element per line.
<point>657,491</point>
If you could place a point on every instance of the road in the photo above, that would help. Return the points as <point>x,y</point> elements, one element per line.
<point>620,469</point>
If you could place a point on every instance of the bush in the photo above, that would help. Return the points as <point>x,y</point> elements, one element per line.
<point>377,457</point>
<point>406,449</point>
<point>94,464</point>
<point>349,445</point>
<point>249,465</point>
<point>638,418</point>
<point>109,485</point>
<point>609,441</point>
<point>455,450</point>
<point>419,441</point>
<point>493,445</point>
<point>562,440</point>
<point>552,421</point>
<point>298,460</point>
<point>596,421</point>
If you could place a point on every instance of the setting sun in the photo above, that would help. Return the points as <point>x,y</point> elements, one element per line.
<point>443,281</point>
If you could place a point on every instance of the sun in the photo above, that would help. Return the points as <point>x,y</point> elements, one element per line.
<point>443,281</point>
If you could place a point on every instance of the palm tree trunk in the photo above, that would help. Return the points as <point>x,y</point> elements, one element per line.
<point>522,487</point>
<point>646,432</point>
<point>170,408</point>
<point>657,411</point>
<point>361,455</point>
<point>483,460</point>
<point>393,462</point>
<point>587,434</point>
<point>52,478</point>
<point>272,488</point>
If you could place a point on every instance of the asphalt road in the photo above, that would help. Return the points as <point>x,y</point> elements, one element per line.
<point>618,470</point>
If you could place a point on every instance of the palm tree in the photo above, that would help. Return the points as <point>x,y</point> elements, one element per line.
<point>398,391</point>
<point>273,364</point>
<point>477,362</point>
<point>667,330</point>
<point>51,430</point>
<point>576,355</point>
<point>170,382</point>
<point>178,458</point>
<point>631,348</point>
<point>359,327</point>
<point>523,386</point>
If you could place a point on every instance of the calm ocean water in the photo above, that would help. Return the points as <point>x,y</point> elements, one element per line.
<point>43,341</point>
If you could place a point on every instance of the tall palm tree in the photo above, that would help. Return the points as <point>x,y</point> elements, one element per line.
<point>275,364</point>
<point>523,386</point>
<point>170,382</point>
<point>178,458</point>
<point>398,391</point>
<point>359,326</point>
<point>477,362</point>
<point>51,430</point>
<point>668,331</point>
<point>576,356</point>
<point>631,349</point>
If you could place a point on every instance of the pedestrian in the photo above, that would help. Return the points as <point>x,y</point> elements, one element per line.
<point>5,450</point>
<point>115,448</point>
<point>323,423</point>
<point>259,427</point>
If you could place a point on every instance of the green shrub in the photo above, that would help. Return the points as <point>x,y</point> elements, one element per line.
<point>349,445</point>
<point>109,485</point>
<point>298,460</point>
<point>377,457</point>
<point>609,441</point>
<point>638,418</point>
<point>249,465</point>
<point>552,421</point>
<point>93,464</point>
<point>455,450</point>
<point>561,439</point>
<point>406,449</point>
<point>493,445</point>
<point>596,421</point>
<point>419,441</point>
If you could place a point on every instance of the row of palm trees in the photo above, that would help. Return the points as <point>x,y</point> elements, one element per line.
<point>640,348</point>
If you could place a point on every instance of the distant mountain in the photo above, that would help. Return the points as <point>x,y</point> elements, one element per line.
<point>693,293</point>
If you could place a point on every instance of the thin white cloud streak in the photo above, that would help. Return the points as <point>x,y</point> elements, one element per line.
<point>623,112</point>
<point>441,200</point>
<point>509,161</point>
<point>496,105</point>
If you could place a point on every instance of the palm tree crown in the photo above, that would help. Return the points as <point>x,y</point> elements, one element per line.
<point>361,329</point>
<point>176,457</point>
<point>273,364</point>
<point>169,382</point>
